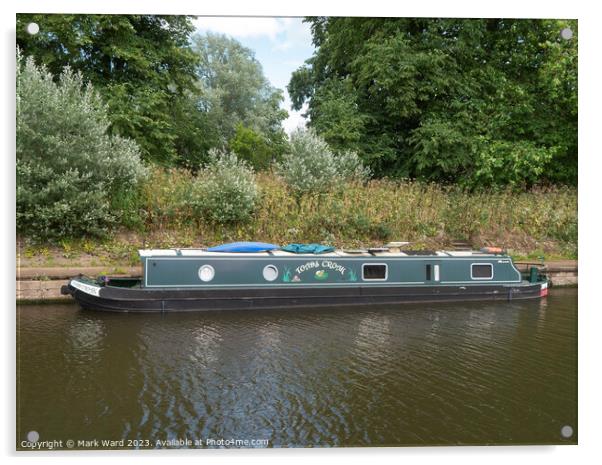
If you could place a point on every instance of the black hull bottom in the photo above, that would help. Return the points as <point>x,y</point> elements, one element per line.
<point>163,301</point>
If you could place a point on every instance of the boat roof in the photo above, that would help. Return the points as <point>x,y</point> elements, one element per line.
<point>145,253</point>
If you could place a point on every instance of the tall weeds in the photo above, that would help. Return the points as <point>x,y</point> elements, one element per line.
<point>426,214</point>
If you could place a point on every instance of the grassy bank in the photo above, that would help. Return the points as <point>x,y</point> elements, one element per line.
<point>539,222</point>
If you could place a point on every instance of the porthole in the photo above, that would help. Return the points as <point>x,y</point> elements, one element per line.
<point>270,273</point>
<point>206,273</point>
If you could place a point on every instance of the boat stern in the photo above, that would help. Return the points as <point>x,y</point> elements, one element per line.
<point>543,289</point>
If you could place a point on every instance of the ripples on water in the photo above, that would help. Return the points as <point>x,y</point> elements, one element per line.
<point>472,373</point>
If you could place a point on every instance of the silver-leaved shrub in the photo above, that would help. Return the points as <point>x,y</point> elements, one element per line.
<point>68,166</point>
<point>311,167</point>
<point>225,191</point>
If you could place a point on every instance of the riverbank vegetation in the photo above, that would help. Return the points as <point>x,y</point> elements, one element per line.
<point>426,130</point>
<point>380,210</point>
<point>534,223</point>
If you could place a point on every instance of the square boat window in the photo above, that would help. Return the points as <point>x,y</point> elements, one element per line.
<point>481,271</point>
<point>377,271</point>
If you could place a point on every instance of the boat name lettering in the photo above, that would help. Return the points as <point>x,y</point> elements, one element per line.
<point>88,289</point>
<point>324,264</point>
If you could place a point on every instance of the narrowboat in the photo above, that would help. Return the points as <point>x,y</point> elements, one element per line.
<point>261,276</point>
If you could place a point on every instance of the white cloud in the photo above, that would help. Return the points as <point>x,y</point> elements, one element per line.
<point>297,32</point>
<point>294,120</point>
<point>284,32</point>
<point>242,26</point>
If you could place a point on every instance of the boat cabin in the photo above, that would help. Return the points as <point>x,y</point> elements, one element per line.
<point>198,268</point>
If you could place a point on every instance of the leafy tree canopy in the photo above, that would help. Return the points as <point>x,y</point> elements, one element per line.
<point>251,147</point>
<point>474,101</point>
<point>141,64</point>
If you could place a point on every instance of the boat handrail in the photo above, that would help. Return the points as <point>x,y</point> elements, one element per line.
<point>541,265</point>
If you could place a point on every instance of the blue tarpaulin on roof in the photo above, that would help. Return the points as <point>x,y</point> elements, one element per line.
<point>308,248</point>
<point>243,247</point>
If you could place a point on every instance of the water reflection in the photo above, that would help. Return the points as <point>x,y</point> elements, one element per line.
<point>372,344</point>
<point>86,338</point>
<point>425,374</point>
<point>206,340</point>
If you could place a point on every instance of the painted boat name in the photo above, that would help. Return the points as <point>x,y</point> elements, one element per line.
<point>324,264</point>
<point>88,289</point>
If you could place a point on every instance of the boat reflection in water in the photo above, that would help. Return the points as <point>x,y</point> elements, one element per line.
<point>445,373</point>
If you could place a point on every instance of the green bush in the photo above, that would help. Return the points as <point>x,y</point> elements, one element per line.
<point>350,167</point>
<point>504,163</point>
<point>225,191</point>
<point>252,147</point>
<point>68,167</point>
<point>310,166</point>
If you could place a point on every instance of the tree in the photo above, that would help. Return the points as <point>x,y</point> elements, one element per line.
<point>446,99</point>
<point>68,167</point>
<point>234,93</point>
<point>252,147</point>
<point>142,66</point>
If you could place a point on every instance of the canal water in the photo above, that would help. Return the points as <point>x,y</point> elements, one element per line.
<point>429,374</point>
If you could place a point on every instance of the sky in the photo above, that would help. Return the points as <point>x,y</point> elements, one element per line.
<point>281,45</point>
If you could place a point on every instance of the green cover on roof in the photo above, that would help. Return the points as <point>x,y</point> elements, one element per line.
<point>308,248</point>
